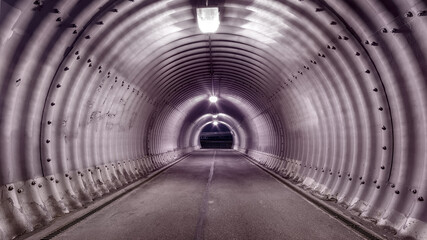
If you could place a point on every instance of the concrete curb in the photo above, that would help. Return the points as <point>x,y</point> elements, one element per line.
<point>63,223</point>
<point>366,232</point>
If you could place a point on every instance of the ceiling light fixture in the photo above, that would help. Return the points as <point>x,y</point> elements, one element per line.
<point>213,99</point>
<point>215,116</point>
<point>215,123</point>
<point>208,19</point>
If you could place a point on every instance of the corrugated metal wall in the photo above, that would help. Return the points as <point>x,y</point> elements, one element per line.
<point>95,94</point>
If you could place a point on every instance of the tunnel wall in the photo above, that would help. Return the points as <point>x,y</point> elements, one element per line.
<point>330,94</point>
<point>355,124</point>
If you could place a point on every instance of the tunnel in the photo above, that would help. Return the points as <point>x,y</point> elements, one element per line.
<point>327,95</point>
<point>216,135</point>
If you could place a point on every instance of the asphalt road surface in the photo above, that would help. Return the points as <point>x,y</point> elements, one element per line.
<point>213,194</point>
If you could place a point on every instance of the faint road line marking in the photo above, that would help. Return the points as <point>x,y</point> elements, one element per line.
<point>204,207</point>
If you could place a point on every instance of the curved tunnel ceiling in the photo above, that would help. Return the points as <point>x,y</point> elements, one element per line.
<point>329,93</point>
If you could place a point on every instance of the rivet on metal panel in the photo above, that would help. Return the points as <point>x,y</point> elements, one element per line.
<point>57,181</point>
<point>114,10</point>
<point>384,148</point>
<point>76,53</point>
<point>48,160</point>
<point>357,54</point>
<point>47,141</point>
<point>33,183</point>
<point>339,175</point>
<point>78,58</point>
<point>380,108</point>
<point>100,22</point>
<point>339,37</point>
<point>59,19</point>
<point>378,187</point>
<point>333,48</point>
<point>99,67</point>
<point>397,191</point>
<point>384,30</point>
<point>367,71</point>
<point>383,128</point>
<point>75,32</point>
<point>414,191</point>
<point>78,172</point>
<point>409,14</point>
<point>375,181</point>
<point>66,175</point>
<point>89,61</point>
<point>52,104</point>
<point>382,167</point>
<point>363,182</point>
<point>323,55</point>
<point>333,23</point>
<point>70,178</point>
<point>51,178</point>
<point>319,9</point>
<point>56,10</point>
<point>49,122</point>
<point>392,186</point>
<point>10,188</point>
<point>420,199</point>
<point>366,42</point>
<point>66,69</point>
<point>58,85</point>
<point>374,44</point>
<point>345,38</point>
<point>90,65</point>
<point>350,179</point>
<point>360,178</point>
<point>375,89</point>
<point>19,190</point>
<point>422,13</point>
<point>87,37</point>
<point>40,185</point>
<point>328,47</point>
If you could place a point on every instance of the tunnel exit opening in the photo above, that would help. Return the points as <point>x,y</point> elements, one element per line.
<point>216,135</point>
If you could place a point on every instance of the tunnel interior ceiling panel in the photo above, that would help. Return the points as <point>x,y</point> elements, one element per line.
<point>96,94</point>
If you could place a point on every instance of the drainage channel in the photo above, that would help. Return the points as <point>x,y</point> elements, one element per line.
<point>120,194</point>
<point>347,221</point>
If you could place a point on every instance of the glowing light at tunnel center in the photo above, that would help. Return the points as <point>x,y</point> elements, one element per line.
<point>213,99</point>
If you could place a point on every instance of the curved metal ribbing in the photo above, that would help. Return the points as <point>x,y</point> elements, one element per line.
<point>95,94</point>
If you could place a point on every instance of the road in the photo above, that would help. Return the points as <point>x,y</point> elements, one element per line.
<point>213,194</point>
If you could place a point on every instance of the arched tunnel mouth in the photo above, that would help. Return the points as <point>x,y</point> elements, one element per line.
<point>216,135</point>
<point>96,95</point>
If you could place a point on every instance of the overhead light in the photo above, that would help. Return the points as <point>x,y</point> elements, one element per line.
<point>215,123</point>
<point>213,99</point>
<point>208,19</point>
<point>215,116</point>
